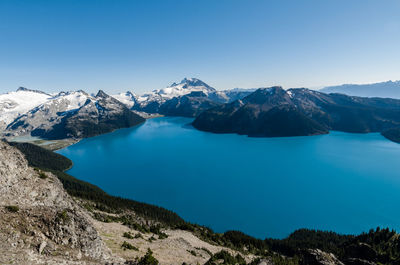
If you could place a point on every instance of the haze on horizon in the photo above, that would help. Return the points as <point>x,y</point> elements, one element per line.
<point>145,45</point>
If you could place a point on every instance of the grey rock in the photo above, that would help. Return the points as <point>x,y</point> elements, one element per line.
<point>47,224</point>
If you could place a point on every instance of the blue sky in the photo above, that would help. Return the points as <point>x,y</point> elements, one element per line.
<point>144,45</point>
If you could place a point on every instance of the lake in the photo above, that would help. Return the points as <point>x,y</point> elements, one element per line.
<point>265,187</point>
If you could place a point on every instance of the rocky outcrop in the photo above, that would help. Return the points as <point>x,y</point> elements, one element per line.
<point>40,223</point>
<point>319,257</point>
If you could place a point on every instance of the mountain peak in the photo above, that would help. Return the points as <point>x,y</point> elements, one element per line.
<point>129,94</point>
<point>101,94</point>
<point>30,90</point>
<point>268,95</point>
<point>190,82</point>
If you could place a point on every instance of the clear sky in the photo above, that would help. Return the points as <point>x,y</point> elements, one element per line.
<point>144,45</point>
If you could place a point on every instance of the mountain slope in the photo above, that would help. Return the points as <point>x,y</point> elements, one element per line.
<point>389,89</point>
<point>189,105</point>
<point>276,112</point>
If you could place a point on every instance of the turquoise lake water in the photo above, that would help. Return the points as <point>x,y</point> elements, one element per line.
<point>266,187</point>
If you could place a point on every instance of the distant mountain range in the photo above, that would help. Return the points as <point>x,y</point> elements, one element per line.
<point>162,100</point>
<point>76,114</point>
<point>264,112</point>
<point>389,89</point>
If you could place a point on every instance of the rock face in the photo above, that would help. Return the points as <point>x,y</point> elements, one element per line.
<point>40,223</point>
<point>74,114</point>
<point>318,257</point>
<point>275,112</point>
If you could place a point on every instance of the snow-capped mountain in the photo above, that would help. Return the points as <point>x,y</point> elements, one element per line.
<point>51,112</point>
<point>16,103</point>
<point>151,102</point>
<point>186,86</point>
<point>74,114</point>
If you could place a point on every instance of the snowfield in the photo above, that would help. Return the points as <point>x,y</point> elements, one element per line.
<point>14,104</point>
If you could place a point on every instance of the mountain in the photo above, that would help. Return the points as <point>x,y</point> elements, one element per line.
<point>189,105</point>
<point>74,114</point>
<point>266,112</point>
<point>151,102</point>
<point>13,104</point>
<point>275,112</point>
<point>389,89</point>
